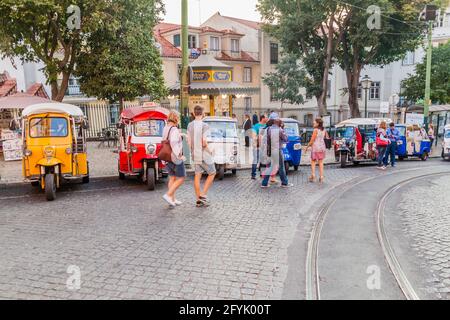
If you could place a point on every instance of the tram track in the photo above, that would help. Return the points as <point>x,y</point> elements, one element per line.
<point>312,291</point>
<point>388,251</point>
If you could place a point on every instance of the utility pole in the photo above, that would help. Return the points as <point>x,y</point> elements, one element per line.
<point>184,88</point>
<point>427,101</point>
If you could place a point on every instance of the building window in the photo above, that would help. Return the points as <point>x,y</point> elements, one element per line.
<point>235,45</point>
<point>192,42</point>
<point>374,93</point>
<point>360,90</point>
<point>176,40</point>
<point>273,53</point>
<point>214,45</point>
<point>273,91</point>
<point>247,74</point>
<point>248,104</point>
<point>179,69</point>
<point>409,59</point>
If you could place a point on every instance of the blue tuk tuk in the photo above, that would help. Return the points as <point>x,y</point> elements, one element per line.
<point>407,146</point>
<point>292,150</point>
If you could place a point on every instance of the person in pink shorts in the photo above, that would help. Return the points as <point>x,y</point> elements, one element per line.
<point>318,151</point>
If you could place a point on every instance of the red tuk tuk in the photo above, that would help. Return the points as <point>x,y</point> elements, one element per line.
<point>140,135</point>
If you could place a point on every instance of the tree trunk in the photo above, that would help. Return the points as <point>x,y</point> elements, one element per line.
<point>322,101</point>
<point>59,91</point>
<point>121,105</point>
<point>353,76</point>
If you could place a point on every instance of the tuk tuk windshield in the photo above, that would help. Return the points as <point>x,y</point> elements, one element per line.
<point>222,129</point>
<point>48,127</point>
<point>149,128</point>
<point>291,129</point>
<point>402,131</point>
<point>345,132</point>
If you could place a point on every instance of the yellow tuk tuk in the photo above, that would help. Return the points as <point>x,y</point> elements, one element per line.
<point>54,146</point>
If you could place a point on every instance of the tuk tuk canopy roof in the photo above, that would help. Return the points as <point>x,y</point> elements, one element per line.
<point>65,108</point>
<point>290,120</point>
<point>358,122</point>
<point>141,113</point>
<point>227,119</point>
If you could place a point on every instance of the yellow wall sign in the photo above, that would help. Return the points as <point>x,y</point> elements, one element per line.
<point>212,76</point>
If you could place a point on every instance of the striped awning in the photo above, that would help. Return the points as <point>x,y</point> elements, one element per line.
<point>216,88</point>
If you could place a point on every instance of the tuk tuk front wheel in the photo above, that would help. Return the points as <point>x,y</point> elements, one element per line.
<point>343,160</point>
<point>221,172</point>
<point>86,178</point>
<point>50,186</point>
<point>424,156</point>
<point>151,179</point>
<point>286,167</point>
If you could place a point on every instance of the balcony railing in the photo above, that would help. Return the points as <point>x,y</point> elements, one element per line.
<point>219,54</point>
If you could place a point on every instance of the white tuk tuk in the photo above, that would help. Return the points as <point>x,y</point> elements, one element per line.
<point>223,141</point>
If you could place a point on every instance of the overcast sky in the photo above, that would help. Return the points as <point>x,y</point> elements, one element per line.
<point>245,9</point>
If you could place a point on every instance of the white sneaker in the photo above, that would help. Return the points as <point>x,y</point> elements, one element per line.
<point>178,202</point>
<point>169,201</point>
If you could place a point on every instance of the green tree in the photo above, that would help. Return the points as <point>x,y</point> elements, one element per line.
<point>310,29</point>
<point>440,78</point>
<point>287,80</point>
<point>44,30</point>
<point>365,43</point>
<point>121,62</point>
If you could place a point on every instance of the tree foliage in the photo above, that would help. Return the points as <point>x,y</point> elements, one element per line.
<point>308,29</point>
<point>103,49</point>
<point>399,31</point>
<point>121,62</point>
<point>38,30</point>
<point>414,85</point>
<point>287,80</point>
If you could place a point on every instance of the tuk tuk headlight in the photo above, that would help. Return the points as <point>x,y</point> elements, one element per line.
<point>49,152</point>
<point>134,149</point>
<point>151,149</point>
<point>27,153</point>
<point>69,150</point>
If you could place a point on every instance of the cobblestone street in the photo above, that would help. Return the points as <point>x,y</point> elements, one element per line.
<point>425,221</point>
<point>249,244</point>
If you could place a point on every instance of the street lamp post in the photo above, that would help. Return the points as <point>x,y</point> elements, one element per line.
<point>366,83</point>
<point>429,15</point>
<point>184,87</point>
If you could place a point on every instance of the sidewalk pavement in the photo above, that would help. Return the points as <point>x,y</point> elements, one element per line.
<point>103,162</point>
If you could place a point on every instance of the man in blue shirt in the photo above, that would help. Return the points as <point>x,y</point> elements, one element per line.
<point>394,136</point>
<point>256,143</point>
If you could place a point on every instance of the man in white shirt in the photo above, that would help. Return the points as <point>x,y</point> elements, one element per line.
<point>201,156</point>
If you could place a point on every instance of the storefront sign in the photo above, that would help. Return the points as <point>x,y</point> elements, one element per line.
<point>414,118</point>
<point>201,76</point>
<point>222,75</point>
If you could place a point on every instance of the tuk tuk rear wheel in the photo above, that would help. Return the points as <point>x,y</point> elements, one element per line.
<point>233,171</point>
<point>295,168</point>
<point>35,183</point>
<point>50,187</point>
<point>151,179</point>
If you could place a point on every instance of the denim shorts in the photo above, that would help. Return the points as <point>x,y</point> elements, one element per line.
<point>176,170</point>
